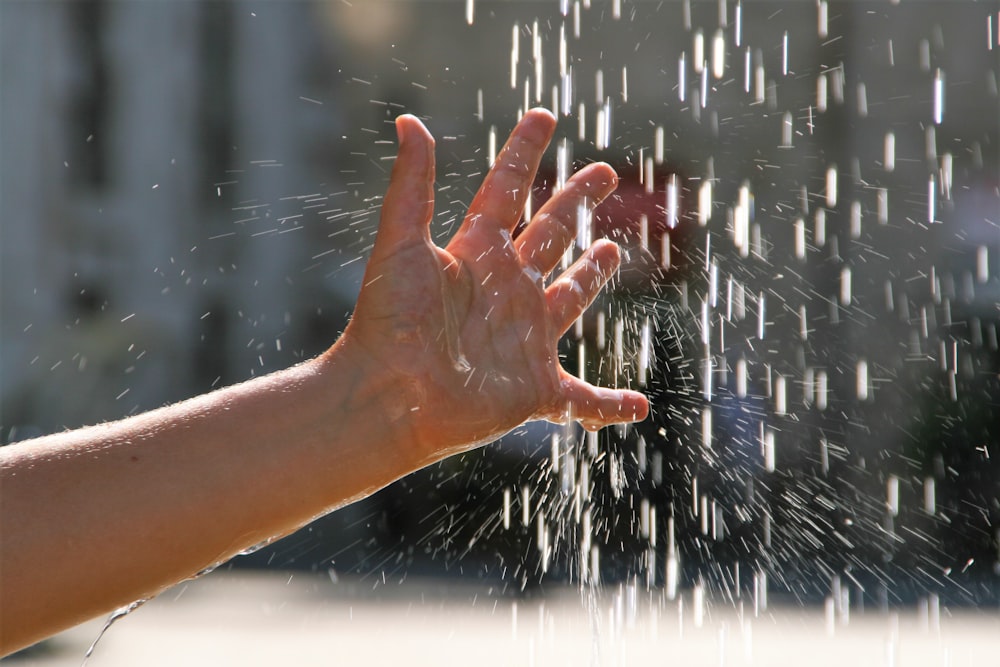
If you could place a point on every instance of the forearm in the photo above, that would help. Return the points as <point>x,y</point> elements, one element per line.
<point>97,518</point>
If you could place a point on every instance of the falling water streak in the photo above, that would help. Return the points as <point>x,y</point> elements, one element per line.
<point>698,51</point>
<point>536,53</point>
<point>506,508</point>
<point>821,390</point>
<point>930,496</point>
<point>819,233</point>
<point>567,93</point>
<point>862,100</point>
<point>515,49</point>
<point>760,585</point>
<point>698,604</point>
<point>584,227</point>
<point>525,506</point>
<point>491,146</point>
<point>705,202</point>
<point>564,162</point>
<point>862,383</point>
<point>889,157</point>
<point>931,194</point>
<point>704,85</point>
<point>470,11</point>
<point>946,176</point>
<point>938,96</point>
<point>672,572</point>
<point>882,202</point>
<point>821,92</point>
<point>892,495</point>
<point>784,54</point>
<point>681,77</point>
<point>719,54</point>
<point>563,60</point>
<point>822,27</point>
<point>767,447</point>
<point>741,221</point>
<point>786,130</point>
<point>673,197</point>
<point>845,287</point>
<point>746,71</point>
<point>741,378</point>
<point>729,299</point>
<point>645,350</point>
<point>837,82</point>
<point>831,186</point>
<point>800,238</point>
<point>738,28</point>
<point>739,302</point>
<point>761,318</point>
<point>658,144</point>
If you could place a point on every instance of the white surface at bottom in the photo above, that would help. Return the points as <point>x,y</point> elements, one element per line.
<point>254,618</point>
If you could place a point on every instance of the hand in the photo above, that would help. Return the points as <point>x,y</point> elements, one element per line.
<point>466,336</point>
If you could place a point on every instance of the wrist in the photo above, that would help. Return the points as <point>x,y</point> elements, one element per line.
<point>374,397</point>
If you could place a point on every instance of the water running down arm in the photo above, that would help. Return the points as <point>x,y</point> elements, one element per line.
<point>448,348</point>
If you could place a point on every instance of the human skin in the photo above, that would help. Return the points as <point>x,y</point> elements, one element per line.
<point>448,348</point>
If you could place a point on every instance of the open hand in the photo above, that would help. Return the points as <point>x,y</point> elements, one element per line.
<point>466,336</point>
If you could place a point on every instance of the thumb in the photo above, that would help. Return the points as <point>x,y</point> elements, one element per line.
<point>409,201</point>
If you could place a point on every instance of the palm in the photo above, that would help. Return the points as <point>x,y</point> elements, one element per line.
<point>469,332</point>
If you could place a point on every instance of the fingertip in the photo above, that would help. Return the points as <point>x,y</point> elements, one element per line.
<point>608,174</point>
<point>543,118</point>
<point>640,405</point>
<point>409,127</point>
<point>607,253</point>
<point>541,112</point>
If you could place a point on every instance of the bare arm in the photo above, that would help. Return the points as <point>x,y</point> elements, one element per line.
<point>448,348</point>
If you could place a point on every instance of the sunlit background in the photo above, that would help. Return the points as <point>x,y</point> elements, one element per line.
<point>810,208</point>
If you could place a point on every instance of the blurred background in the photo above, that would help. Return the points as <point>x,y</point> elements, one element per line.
<point>810,204</point>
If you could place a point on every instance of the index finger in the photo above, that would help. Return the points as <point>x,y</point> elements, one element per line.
<point>500,200</point>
